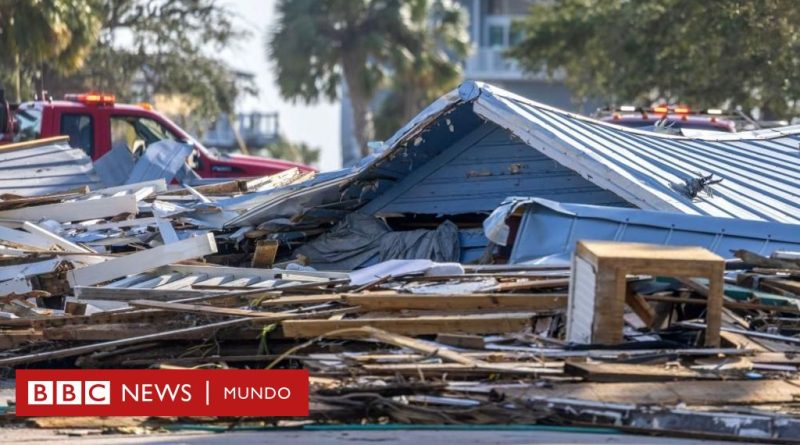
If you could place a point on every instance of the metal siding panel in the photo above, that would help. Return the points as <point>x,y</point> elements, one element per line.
<point>550,230</point>
<point>488,171</point>
<point>580,316</point>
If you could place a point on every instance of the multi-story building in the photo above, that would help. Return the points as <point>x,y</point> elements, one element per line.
<point>492,33</point>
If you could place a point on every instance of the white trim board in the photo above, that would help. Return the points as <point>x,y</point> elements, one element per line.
<point>134,263</point>
<point>75,211</point>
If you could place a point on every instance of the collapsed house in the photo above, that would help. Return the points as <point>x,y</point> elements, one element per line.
<point>461,157</point>
<point>415,288</point>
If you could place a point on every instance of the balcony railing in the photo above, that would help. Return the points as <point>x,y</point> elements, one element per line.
<point>490,64</point>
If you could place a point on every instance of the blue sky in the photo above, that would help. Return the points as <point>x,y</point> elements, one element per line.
<point>317,125</point>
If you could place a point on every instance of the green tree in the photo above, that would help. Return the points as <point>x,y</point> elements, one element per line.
<point>32,32</point>
<point>319,43</point>
<point>170,50</point>
<point>419,79</point>
<point>706,53</point>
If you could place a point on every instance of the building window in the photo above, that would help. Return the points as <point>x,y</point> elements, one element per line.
<point>497,35</point>
<point>80,129</point>
<point>137,133</point>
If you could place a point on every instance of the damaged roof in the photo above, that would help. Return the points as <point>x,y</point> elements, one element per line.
<point>749,175</point>
<point>44,166</point>
<point>547,231</point>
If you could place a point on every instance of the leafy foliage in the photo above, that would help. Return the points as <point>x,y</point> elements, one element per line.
<point>707,53</point>
<point>58,31</point>
<point>143,48</point>
<point>319,43</point>
<point>419,79</point>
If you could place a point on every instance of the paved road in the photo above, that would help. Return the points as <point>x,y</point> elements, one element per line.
<point>31,436</point>
<point>354,437</point>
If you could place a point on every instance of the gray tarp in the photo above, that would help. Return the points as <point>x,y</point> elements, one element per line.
<point>360,238</point>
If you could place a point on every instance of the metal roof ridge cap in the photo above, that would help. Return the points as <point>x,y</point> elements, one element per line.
<point>469,90</point>
<point>758,134</point>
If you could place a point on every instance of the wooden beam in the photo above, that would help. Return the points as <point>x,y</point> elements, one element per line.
<point>34,143</point>
<point>623,372</point>
<point>640,306</point>
<point>416,369</point>
<point>466,302</point>
<point>425,325</point>
<point>738,392</point>
<point>195,247</point>
<point>726,303</point>
<point>414,344</point>
<point>302,299</point>
<point>163,335</point>
<point>199,309</point>
<point>531,284</point>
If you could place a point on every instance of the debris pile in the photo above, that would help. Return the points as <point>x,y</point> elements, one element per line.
<point>412,302</point>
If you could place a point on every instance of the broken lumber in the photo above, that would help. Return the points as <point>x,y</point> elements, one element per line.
<point>75,211</point>
<point>530,302</point>
<point>424,325</point>
<point>195,247</point>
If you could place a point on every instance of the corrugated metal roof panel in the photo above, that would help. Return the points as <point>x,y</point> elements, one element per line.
<point>47,168</point>
<point>759,170</point>
<point>548,230</point>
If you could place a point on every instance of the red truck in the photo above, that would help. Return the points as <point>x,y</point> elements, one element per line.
<point>96,124</point>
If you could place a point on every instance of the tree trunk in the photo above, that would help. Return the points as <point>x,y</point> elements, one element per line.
<point>17,79</point>
<point>353,68</point>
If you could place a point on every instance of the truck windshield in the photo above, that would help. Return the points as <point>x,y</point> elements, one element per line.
<point>30,123</point>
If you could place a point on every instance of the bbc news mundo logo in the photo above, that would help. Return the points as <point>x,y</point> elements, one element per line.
<point>69,392</point>
<point>149,392</point>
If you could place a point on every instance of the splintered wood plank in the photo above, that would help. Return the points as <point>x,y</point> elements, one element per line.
<point>34,143</point>
<point>623,372</point>
<point>302,299</point>
<point>264,255</point>
<point>425,325</point>
<point>199,309</point>
<point>739,392</point>
<point>195,247</point>
<point>531,302</point>
<point>415,369</point>
<point>531,284</point>
<point>16,338</point>
<point>416,345</point>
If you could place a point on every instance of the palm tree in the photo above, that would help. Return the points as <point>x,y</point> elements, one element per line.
<point>58,33</point>
<point>418,79</point>
<point>319,43</point>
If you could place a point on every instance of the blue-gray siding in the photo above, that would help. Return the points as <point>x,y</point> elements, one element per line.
<point>481,169</point>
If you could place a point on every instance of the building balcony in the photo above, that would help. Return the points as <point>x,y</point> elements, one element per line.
<point>489,64</point>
